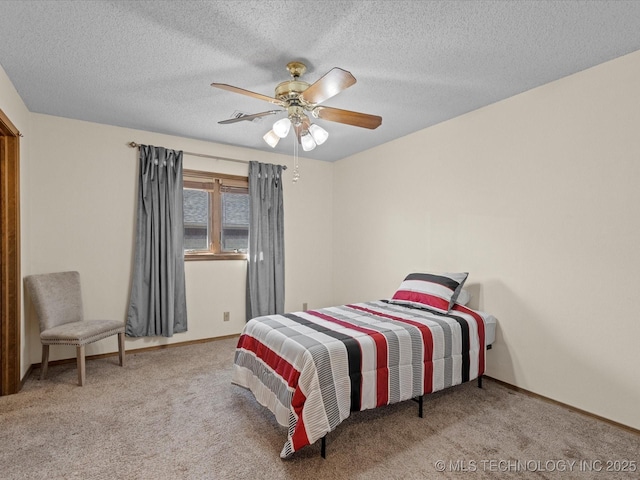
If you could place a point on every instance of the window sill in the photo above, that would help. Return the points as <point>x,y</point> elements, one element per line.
<point>189,257</point>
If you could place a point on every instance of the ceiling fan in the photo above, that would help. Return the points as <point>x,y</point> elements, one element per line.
<point>300,99</point>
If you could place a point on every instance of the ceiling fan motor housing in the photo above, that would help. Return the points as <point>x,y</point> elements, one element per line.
<point>290,90</point>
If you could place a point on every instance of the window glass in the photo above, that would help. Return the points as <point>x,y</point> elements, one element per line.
<point>235,222</point>
<point>216,216</point>
<point>196,219</point>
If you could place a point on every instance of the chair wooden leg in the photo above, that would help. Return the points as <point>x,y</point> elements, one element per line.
<point>121,348</point>
<point>45,361</point>
<point>81,370</point>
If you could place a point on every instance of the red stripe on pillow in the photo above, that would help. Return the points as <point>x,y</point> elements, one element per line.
<point>423,298</point>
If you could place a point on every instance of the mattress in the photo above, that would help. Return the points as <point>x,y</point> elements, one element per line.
<point>489,328</point>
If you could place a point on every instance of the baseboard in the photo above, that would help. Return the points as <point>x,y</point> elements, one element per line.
<point>564,405</point>
<point>127,352</point>
<point>178,344</point>
<point>26,375</point>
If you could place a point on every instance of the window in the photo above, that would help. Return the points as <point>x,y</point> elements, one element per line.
<point>216,216</point>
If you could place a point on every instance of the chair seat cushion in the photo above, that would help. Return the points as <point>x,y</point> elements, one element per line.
<point>81,333</point>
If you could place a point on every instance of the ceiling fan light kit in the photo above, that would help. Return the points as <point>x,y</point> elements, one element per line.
<point>297,98</point>
<point>308,143</point>
<point>271,138</point>
<point>281,127</point>
<point>319,134</point>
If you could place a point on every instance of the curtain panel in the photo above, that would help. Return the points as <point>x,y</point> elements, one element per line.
<point>157,305</point>
<point>265,269</point>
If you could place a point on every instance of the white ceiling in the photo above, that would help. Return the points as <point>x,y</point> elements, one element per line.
<point>148,65</point>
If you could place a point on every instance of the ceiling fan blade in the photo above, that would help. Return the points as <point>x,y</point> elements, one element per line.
<point>331,84</point>
<point>349,117</point>
<point>242,117</point>
<point>259,96</point>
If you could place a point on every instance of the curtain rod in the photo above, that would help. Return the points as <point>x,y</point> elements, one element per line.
<point>203,155</point>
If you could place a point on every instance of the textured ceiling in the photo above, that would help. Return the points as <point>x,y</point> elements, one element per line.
<point>148,65</point>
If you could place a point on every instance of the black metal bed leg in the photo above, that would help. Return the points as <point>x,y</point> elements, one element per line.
<point>419,400</point>
<point>323,447</point>
<point>480,381</point>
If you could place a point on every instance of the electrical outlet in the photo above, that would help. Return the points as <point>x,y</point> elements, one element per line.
<point>225,316</point>
<point>304,307</point>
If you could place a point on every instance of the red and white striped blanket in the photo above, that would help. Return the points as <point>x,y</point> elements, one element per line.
<point>313,368</point>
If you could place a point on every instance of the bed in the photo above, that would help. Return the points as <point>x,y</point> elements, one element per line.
<point>313,368</point>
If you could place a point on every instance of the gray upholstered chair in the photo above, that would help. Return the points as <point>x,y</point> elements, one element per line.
<point>57,300</point>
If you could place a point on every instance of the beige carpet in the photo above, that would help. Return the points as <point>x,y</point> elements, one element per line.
<point>174,414</point>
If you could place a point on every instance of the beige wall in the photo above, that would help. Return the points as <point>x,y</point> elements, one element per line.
<point>82,190</point>
<point>538,198</point>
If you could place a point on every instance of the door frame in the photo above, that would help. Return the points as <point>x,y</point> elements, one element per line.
<point>10,284</point>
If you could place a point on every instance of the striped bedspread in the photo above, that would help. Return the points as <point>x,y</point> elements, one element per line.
<point>313,368</point>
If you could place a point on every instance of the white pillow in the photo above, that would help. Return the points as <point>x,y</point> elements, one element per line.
<point>463,297</point>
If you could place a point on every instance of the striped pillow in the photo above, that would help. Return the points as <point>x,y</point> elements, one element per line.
<point>436,292</point>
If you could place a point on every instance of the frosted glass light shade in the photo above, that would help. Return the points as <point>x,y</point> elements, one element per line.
<point>308,143</point>
<point>318,133</point>
<point>281,127</point>
<point>271,138</point>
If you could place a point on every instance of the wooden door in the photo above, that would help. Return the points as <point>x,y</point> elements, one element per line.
<point>10,282</point>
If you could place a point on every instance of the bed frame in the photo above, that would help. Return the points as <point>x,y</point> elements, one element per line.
<point>420,400</point>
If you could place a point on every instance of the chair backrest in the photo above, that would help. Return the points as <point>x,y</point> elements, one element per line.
<point>56,297</point>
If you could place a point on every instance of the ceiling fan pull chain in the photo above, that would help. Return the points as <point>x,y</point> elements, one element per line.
<point>296,169</point>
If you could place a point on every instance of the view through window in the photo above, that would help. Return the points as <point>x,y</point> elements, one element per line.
<point>216,215</point>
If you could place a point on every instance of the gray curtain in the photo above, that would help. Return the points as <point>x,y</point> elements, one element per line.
<point>265,269</point>
<point>158,304</point>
